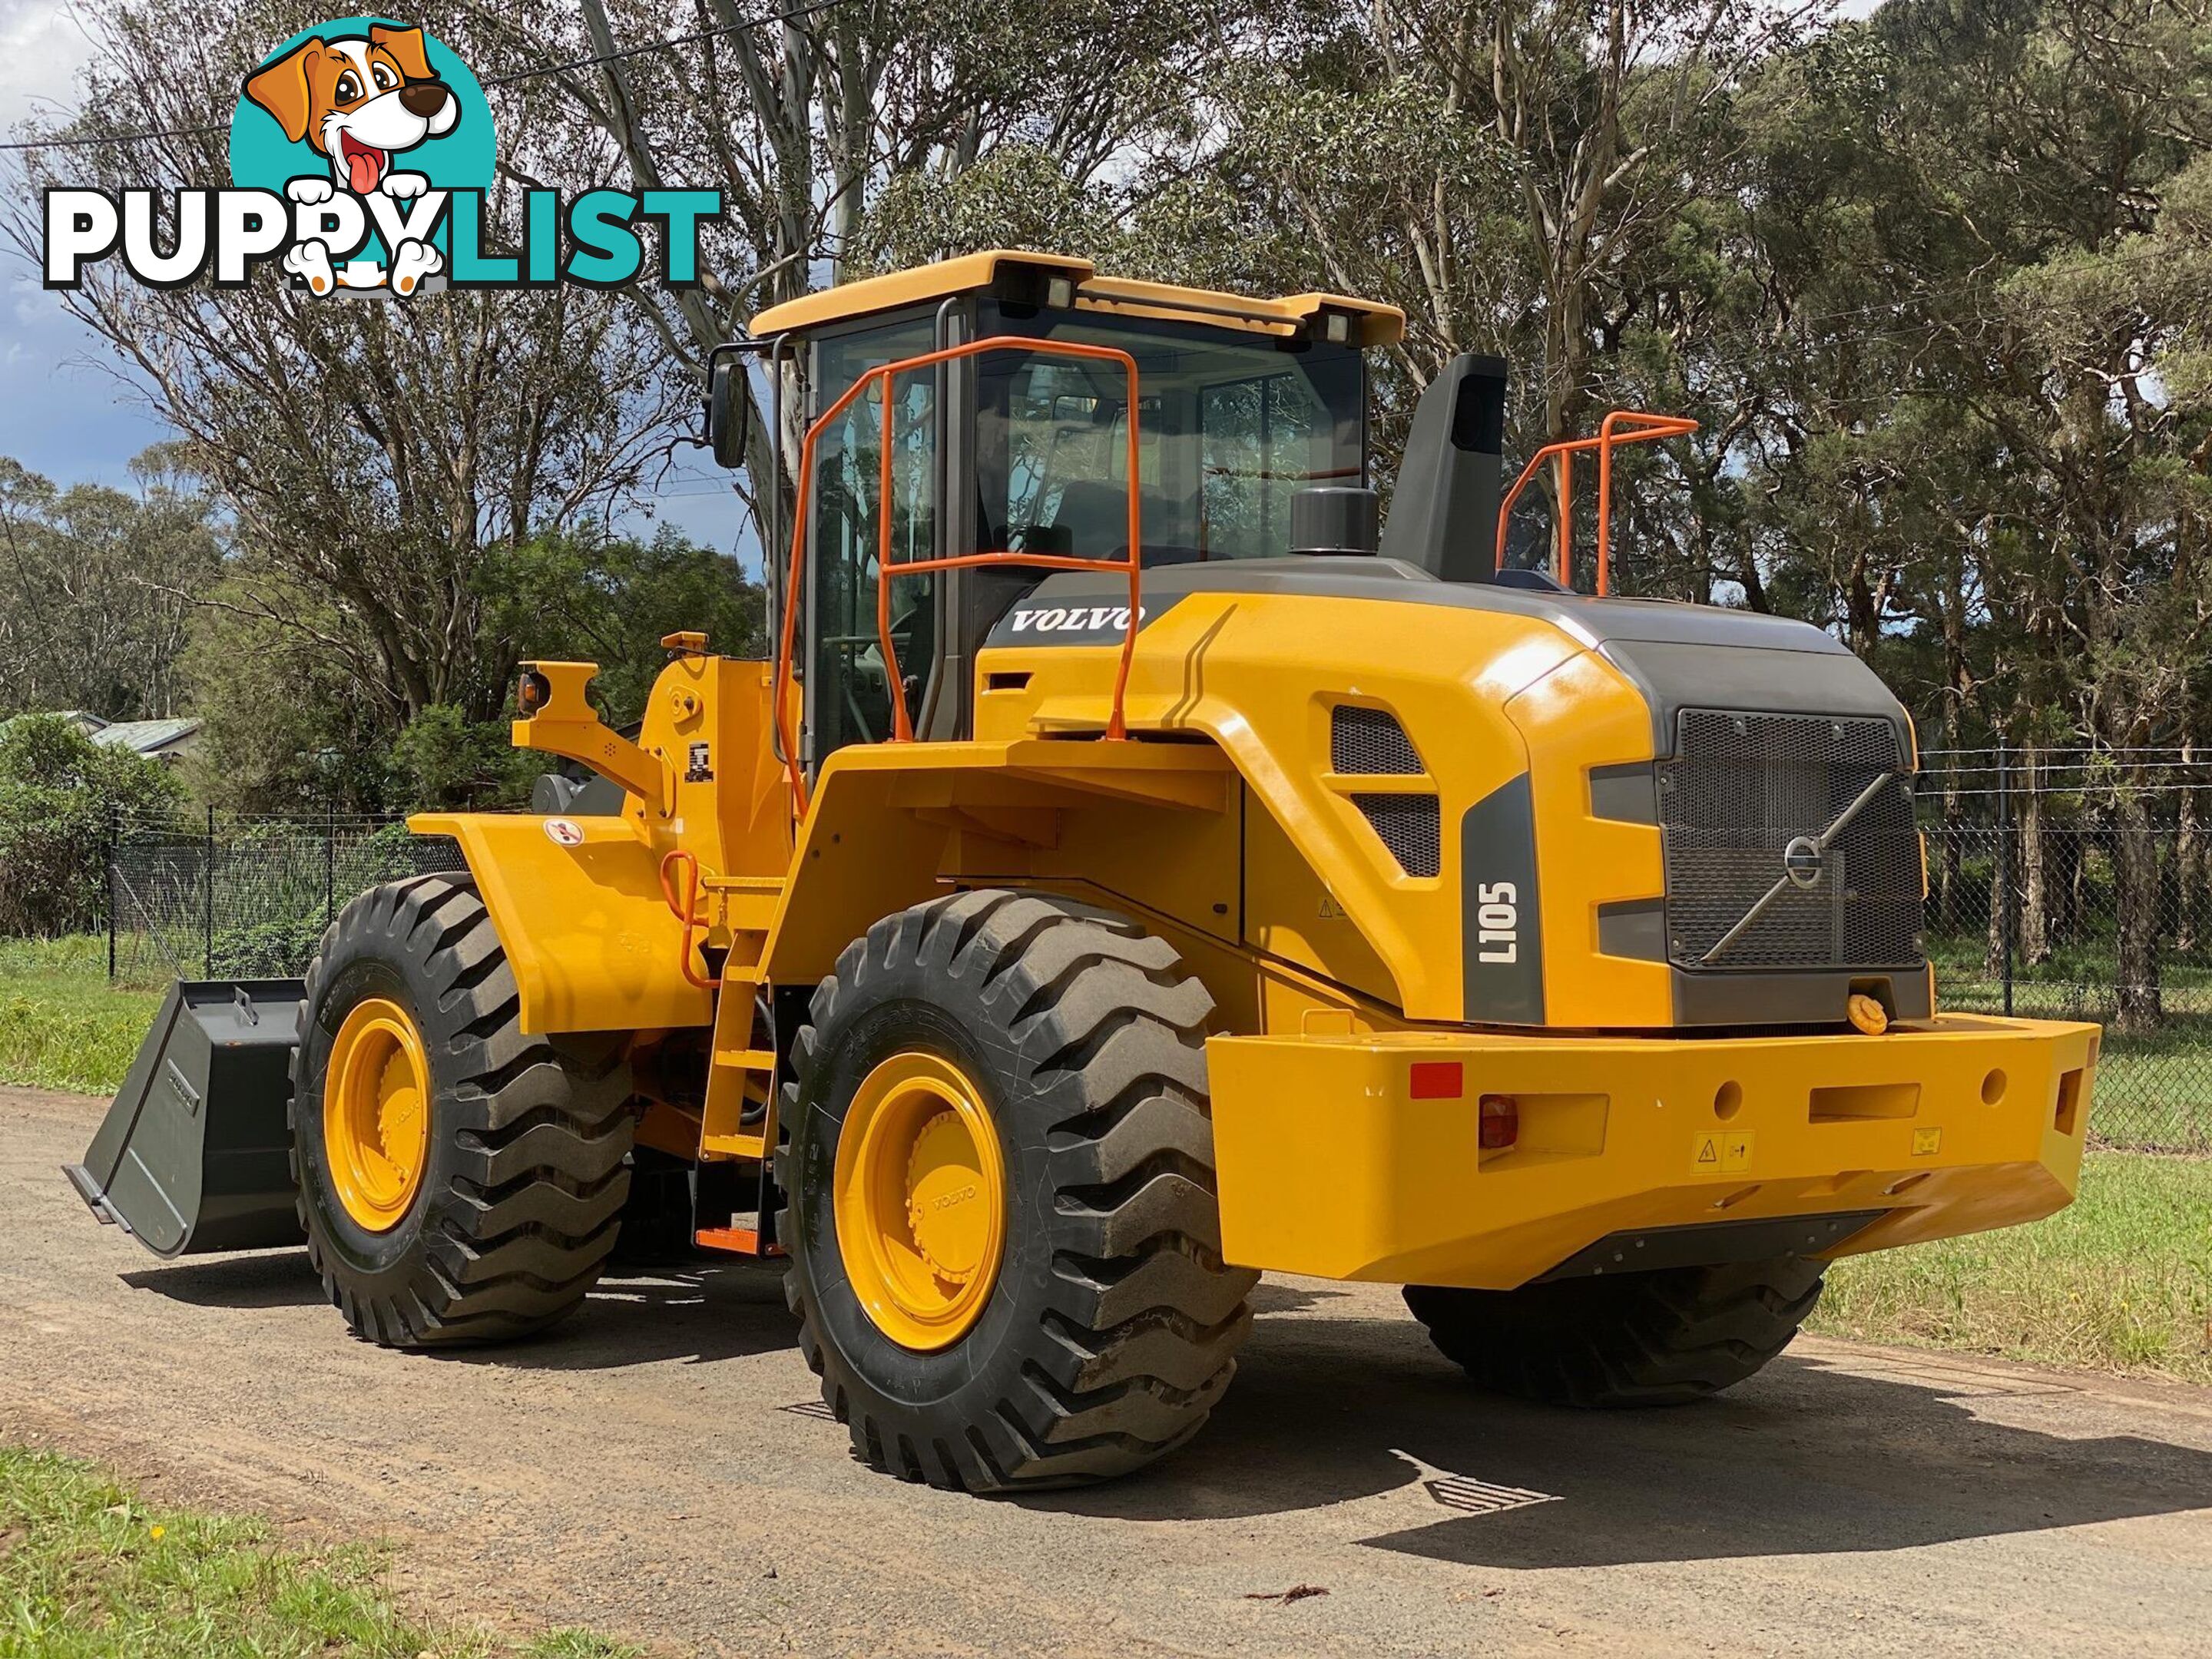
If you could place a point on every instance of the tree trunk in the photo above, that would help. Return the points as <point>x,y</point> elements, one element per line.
<point>2062,883</point>
<point>2077,903</point>
<point>2137,1006</point>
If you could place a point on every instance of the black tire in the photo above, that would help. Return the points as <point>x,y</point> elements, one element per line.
<point>522,1191</point>
<point>1648,1338</point>
<point>1113,1325</point>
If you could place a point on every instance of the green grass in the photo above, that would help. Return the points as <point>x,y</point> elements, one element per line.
<point>2155,1088</point>
<point>61,1026</point>
<point>87,1571</point>
<point>1961,961</point>
<point>2120,1280</point>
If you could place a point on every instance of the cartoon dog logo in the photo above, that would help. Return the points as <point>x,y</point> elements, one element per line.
<point>359,100</point>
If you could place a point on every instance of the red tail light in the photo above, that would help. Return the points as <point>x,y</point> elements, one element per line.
<point>1501,1121</point>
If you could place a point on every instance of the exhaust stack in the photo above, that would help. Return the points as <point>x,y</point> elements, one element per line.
<point>1443,516</point>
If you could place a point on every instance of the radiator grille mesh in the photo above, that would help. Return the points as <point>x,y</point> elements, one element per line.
<point>1741,789</point>
<point>1370,741</point>
<point>1410,828</point>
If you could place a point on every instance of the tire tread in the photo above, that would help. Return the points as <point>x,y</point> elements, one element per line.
<point>523,1229</point>
<point>1142,1320</point>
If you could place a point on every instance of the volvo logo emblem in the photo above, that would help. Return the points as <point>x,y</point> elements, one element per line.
<point>1802,860</point>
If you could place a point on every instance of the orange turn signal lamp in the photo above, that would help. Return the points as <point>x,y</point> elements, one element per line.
<point>1446,1079</point>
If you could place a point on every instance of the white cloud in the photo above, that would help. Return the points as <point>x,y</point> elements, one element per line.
<point>42,46</point>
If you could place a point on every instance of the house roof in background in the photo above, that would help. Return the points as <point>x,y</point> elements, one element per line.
<point>152,739</point>
<point>146,737</point>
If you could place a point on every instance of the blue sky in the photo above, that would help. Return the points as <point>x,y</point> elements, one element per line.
<point>59,415</point>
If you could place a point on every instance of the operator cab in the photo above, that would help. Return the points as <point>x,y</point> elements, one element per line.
<point>1240,405</point>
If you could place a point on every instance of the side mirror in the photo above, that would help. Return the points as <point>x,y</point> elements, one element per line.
<point>729,411</point>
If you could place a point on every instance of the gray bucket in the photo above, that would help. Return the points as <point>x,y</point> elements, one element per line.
<point>195,1154</point>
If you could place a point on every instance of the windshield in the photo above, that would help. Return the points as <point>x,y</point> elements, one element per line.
<point>1230,425</point>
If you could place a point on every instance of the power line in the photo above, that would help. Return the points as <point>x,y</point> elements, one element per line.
<point>623,54</point>
<point>118,138</point>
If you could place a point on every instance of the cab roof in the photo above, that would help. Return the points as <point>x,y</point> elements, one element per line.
<point>1027,276</point>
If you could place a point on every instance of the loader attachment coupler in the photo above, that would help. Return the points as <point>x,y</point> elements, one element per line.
<point>195,1153</point>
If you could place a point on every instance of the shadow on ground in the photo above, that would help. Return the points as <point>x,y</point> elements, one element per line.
<point>697,1309</point>
<point>1805,1459</point>
<point>274,1279</point>
<point>1333,1409</point>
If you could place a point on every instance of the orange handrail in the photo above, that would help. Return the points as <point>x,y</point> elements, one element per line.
<point>1622,426</point>
<point>686,910</point>
<point>902,723</point>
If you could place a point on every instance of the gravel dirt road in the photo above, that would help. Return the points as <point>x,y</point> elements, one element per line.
<point>657,1469</point>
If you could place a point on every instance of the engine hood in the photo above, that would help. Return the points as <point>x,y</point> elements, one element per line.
<point>1680,656</point>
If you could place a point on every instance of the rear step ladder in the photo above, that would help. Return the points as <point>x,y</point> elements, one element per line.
<point>739,1120</point>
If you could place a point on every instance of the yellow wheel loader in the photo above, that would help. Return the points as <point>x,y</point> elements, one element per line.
<point>1139,868</point>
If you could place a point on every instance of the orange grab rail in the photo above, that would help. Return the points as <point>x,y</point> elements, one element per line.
<point>1622,426</point>
<point>902,723</point>
<point>686,909</point>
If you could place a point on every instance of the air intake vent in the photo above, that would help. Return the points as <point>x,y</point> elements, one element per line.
<point>1370,742</point>
<point>1409,827</point>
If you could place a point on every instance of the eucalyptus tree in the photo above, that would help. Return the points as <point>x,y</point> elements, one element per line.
<point>1984,215</point>
<point>97,586</point>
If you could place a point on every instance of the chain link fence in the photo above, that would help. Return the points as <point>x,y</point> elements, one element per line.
<point>2073,884</point>
<point>245,898</point>
<point>2062,883</point>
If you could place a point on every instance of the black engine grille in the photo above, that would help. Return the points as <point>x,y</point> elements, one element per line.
<point>1741,789</point>
<point>1369,740</point>
<point>1411,827</point>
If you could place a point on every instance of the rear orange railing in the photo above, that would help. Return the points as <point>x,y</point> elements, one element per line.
<point>887,373</point>
<point>1622,426</point>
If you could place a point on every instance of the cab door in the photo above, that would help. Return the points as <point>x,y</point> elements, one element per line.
<point>849,687</point>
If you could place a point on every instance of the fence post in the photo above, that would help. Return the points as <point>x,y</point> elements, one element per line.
<point>108,877</point>
<point>330,861</point>
<point>207,885</point>
<point>2005,862</point>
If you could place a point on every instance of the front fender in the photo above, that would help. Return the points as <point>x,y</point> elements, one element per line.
<point>593,944</point>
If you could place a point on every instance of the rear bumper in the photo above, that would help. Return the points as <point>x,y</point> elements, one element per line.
<point>1328,1165</point>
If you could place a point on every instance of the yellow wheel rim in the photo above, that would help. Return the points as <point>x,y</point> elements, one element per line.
<point>376,1113</point>
<point>921,1194</point>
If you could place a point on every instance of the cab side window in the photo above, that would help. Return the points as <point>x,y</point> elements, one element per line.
<point>849,688</point>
